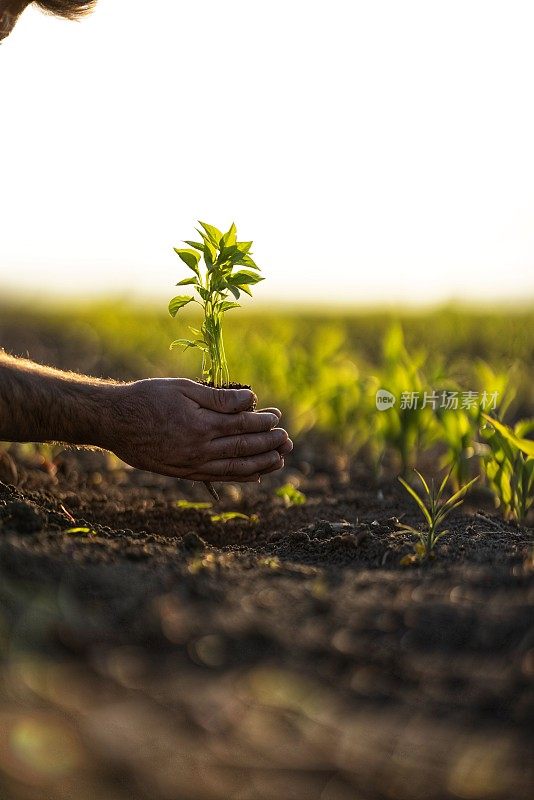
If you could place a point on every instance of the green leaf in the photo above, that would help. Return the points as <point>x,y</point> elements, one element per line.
<point>177,303</point>
<point>230,237</point>
<point>196,245</point>
<point>243,277</point>
<point>291,495</point>
<point>247,261</point>
<point>187,281</point>
<point>460,493</point>
<point>244,247</point>
<point>402,527</point>
<point>235,292</point>
<point>226,305</point>
<point>213,233</point>
<point>210,255</point>
<point>443,484</point>
<point>190,504</point>
<point>185,343</point>
<point>88,531</point>
<point>418,500</point>
<point>189,257</point>
<point>523,427</point>
<point>526,445</point>
<point>425,484</point>
<point>228,516</point>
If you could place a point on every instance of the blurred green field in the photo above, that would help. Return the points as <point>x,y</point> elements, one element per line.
<point>322,368</point>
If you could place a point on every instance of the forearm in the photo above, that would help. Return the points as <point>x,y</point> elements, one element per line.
<point>39,404</point>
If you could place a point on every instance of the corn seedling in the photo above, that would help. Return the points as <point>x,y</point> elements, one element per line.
<point>407,425</point>
<point>435,510</point>
<point>189,504</point>
<point>457,431</point>
<point>290,495</point>
<point>231,516</point>
<point>508,464</point>
<point>228,270</point>
<point>85,531</point>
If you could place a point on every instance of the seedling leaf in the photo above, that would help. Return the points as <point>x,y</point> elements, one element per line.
<point>418,500</point>
<point>189,257</point>
<point>193,505</point>
<point>525,445</point>
<point>177,303</point>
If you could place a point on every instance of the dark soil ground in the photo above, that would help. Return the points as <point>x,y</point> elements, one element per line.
<point>161,656</point>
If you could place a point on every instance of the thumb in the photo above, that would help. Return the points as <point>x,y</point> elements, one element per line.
<point>225,401</point>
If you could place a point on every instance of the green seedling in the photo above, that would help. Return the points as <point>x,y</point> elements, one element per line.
<point>230,516</point>
<point>86,531</point>
<point>435,510</point>
<point>227,270</point>
<point>404,429</point>
<point>291,495</point>
<point>192,505</point>
<point>509,466</point>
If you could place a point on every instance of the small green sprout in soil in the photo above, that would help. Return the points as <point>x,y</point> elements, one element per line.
<point>291,495</point>
<point>227,271</point>
<point>189,504</point>
<point>230,516</point>
<point>509,466</point>
<point>86,531</point>
<point>435,510</point>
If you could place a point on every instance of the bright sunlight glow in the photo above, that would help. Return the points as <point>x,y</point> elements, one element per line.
<point>375,152</point>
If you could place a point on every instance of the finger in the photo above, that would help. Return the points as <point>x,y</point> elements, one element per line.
<point>179,472</point>
<point>239,467</point>
<point>286,448</point>
<point>219,479</point>
<point>225,401</point>
<point>247,445</point>
<point>275,467</point>
<point>272,411</point>
<point>244,422</point>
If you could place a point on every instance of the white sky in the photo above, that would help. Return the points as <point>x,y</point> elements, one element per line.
<point>375,151</point>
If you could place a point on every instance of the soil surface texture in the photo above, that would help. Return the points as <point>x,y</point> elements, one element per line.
<point>152,653</point>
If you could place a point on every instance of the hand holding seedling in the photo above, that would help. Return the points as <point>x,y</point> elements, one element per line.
<point>172,426</point>
<point>228,270</point>
<point>181,428</point>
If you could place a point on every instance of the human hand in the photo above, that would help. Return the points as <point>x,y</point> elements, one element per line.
<point>177,427</point>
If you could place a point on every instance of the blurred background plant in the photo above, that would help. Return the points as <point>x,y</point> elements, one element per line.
<point>508,464</point>
<point>324,369</point>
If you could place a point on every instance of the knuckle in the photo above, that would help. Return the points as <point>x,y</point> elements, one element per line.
<point>219,400</point>
<point>239,447</point>
<point>230,467</point>
<point>241,423</point>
